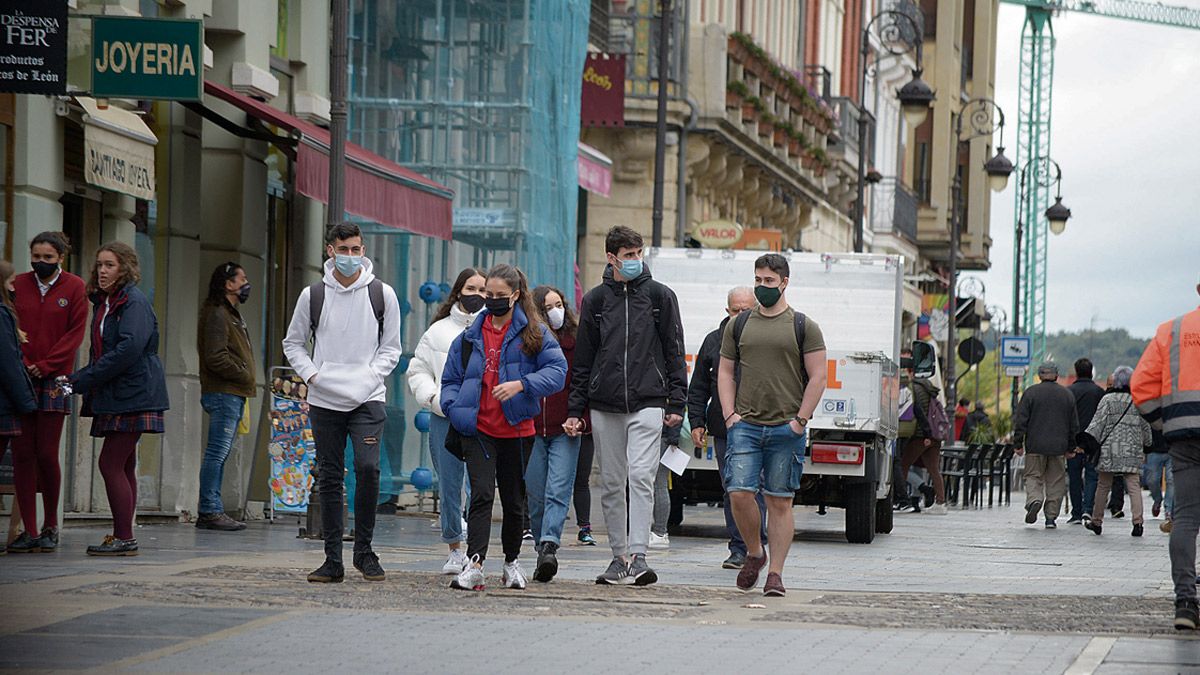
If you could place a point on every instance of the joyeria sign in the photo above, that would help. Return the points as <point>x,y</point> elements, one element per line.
<point>147,58</point>
<point>718,233</point>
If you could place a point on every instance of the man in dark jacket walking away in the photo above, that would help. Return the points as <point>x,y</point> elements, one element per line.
<point>1081,475</point>
<point>630,372</point>
<point>1045,426</point>
<point>976,419</point>
<point>704,414</point>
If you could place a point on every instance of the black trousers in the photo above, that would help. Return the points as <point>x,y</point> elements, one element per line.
<point>496,464</point>
<point>583,482</point>
<point>363,426</point>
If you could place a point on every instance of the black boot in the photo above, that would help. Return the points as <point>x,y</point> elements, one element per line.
<point>48,541</point>
<point>24,543</point>
<point>547,563</point>
<point>328,573</point>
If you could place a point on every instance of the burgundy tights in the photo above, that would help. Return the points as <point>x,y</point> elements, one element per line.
<point>35,467</point>
<point>118,465</point>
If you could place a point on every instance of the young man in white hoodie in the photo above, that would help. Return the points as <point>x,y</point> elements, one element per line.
<point>356,344</point>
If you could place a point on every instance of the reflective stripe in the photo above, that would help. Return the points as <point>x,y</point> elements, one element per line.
<point>1176,347</point>
<point>1187,423</point>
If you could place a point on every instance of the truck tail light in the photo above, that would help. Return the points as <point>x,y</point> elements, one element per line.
<point>837,453</point>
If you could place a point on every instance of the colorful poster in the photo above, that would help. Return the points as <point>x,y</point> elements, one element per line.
<point>934,320</point>
<point>292,450</point>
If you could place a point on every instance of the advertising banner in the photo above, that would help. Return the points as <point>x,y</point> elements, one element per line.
<point>33,56</point>
<point>292,451</point>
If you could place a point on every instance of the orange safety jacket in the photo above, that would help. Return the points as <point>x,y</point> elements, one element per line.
<point>1166,383</point>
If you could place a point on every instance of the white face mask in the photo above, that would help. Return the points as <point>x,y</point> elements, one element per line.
<point>557,316</point>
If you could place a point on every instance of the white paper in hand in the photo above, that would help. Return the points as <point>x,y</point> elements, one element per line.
<point>676,460</point>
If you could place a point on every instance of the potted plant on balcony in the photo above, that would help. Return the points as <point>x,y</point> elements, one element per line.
<point>751,107</point>
<point>797,144</point>
<point>783,131</point>
<point>735,94</point>
<point>766,125</point>
<point>822,162</point>
<point>739,47</point>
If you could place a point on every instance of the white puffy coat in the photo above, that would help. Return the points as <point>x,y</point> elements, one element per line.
<point>429,360</point>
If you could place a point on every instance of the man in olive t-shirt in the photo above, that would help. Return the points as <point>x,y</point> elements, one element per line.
<point>767,404</point>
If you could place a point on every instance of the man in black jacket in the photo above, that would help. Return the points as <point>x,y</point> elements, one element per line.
<point>1045,425</point>
<point>629,371</point>
<point>704,414</point>
<point>1081,475</point>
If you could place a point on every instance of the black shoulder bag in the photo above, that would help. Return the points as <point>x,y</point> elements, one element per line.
<point>1091,446</point>
<point>454,440</point>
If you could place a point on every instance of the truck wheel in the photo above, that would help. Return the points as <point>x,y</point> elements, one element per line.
<point>860,512</point>
<point>883,515</point>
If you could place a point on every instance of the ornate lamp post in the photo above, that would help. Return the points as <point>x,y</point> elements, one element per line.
<point>899,33</point>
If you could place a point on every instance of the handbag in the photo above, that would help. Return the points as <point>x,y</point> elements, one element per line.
<point>454,440</point>
<point>1091,446</point>
<point>244,422</point>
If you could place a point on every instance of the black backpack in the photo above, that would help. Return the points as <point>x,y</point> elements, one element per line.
<point>316,302</point>
<point>454,440</point>
<point>658,298</point>
<point>739,325</point>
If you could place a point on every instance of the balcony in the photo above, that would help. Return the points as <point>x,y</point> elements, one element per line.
<point>904,214</point>
<point>633,31</point>
<point>843,143</point>
<point>894,209</point>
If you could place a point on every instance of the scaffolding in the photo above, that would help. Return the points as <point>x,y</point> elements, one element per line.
<point>482,96</point>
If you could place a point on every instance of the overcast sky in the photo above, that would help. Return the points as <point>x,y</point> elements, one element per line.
<point>1126,131</point>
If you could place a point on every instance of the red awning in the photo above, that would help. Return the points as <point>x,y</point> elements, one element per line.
<point>376,189</point>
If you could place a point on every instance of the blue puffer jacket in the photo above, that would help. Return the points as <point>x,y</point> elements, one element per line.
<point>542,374</point>
<point>124,374</point>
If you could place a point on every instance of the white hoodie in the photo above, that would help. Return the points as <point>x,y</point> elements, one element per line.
<point>425,370</point>
<point>350,361</point>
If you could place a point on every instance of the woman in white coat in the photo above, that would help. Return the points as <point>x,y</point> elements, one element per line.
<point>425,381</point>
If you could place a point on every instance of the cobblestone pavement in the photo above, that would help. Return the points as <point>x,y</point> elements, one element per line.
<point>972,591</point>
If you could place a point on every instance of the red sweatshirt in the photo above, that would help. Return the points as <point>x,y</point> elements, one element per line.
<point>55,324</point>
<point>491,419</point>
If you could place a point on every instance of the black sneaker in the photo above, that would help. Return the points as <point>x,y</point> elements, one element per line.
<point>24,544</point>
<point>527,535</point>
<point>1187,615</point>
<point>640,572</point>
<point>585,537</point>
<point>1137,530</point>
<point>48,540</point>
<point>328,573</point>
<point>1117,513</point>
<point>368,563</point>
<point>218,521</point>
<point>1031,511</point>
<point>929,494</point>
<point>547,563</point>
<point>735,561</point>
<point>1094,526</point>
<point>114,547</point>
<point>1050,525</point>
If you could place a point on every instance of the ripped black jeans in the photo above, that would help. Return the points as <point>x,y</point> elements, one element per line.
<point>364,426</point>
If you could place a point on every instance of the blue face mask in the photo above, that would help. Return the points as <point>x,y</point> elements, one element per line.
<point>631,269</point>
<point>348,265</point>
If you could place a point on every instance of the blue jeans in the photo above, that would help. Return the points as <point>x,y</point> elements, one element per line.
<point>452,473</point>
<point>769,459</point>
<point>549,479</point>
<point>736,543</point>
<point>1081,478</point>
<point>1157,465</point>
<point>224,413</point>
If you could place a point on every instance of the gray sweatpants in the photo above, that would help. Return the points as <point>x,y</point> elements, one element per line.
<point>1186,517</point>
<point>627,449</point>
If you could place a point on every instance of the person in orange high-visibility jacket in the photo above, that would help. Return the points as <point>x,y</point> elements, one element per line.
<point>1166,389</point>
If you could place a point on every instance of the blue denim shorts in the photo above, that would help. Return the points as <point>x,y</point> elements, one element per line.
<point>770,459</point>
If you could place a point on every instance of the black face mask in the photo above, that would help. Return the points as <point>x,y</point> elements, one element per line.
<point>44,270</point>
<point>472,303</point>
<point>243,294</point>
<point>498,306</point>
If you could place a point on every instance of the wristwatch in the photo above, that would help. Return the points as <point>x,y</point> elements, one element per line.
<point>802,421</point>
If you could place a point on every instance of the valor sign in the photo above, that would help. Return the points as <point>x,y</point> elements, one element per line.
<point>33,47</point>
<point>147,58</point>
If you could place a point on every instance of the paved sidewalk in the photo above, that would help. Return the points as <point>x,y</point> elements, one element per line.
<point>974,591</point>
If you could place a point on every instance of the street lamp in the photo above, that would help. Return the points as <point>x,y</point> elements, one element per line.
<point>1046,173</point>
<point>998,321</point>
<point>985,118</point>
<point>899,33</point>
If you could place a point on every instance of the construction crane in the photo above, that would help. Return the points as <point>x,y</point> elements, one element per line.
<point>1033,133</point>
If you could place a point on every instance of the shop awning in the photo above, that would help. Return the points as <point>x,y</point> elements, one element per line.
<point>595,170</point>
<point>376,189</point>
<point>118,149</point>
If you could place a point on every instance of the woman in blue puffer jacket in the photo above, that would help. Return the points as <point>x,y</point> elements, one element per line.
<point>512,362</point>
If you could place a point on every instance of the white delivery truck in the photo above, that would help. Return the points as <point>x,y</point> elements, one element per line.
<point>856,300</point>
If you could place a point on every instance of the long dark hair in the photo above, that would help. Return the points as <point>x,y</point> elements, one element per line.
<point>127,262</point>
<point>570,321</point>
<point>216,283</point>
<point>531,336</point>
<point>443,311</point>
<point>7,270</point>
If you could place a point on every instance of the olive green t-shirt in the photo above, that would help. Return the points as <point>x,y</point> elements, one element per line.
<point>770,388</point>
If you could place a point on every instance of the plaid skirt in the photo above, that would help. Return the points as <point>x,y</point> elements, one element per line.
<point>43,390</point>
<point>10,426</point>
<point>141,422</point>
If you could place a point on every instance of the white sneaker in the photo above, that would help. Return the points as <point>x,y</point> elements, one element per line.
<point>456,562</point>
<point>937,510</point>
<point>470,578</point>
<point>658,543</point>
<point>514,576</point>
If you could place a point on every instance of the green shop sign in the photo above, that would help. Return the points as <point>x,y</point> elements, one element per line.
<point>147,58</point>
